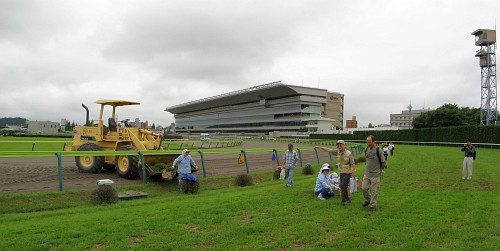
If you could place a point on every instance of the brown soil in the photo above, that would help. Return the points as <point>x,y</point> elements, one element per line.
<point>40,173</point>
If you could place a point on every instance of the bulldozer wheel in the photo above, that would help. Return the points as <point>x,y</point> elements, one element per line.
<point>127,165</point>
<point>89,164</point>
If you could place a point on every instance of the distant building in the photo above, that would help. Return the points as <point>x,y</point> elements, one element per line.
<point>321,126</point>
<point>63,124</point>
<point>138,124</point>
<point>351,123</point>
<point>170,129</point>
<point>43,127</point>
<point>405,118</point>
<point>260,109</point>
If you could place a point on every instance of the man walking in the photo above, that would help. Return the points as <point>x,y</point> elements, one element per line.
<point>470,156</point>
<point>375,163</point>
<point>289,163</point>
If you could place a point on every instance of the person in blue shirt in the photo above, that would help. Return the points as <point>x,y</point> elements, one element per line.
<point>323,188</point>
<point>184,163</point>
<point>289,163</point>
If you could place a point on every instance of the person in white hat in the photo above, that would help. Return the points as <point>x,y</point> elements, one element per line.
<point>323,188</point>
<point>184,163</point>
<point>347,167</point>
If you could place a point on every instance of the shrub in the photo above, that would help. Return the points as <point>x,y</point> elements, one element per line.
<point>104,195</point>
<point>308,170</point>
<point>243,180</point>
<point>361,159</point>
<point>194,187</point>
<point>276,174</point>
<point>189,186</point>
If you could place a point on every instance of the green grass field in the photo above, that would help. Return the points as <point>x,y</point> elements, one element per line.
<point>423,205</point>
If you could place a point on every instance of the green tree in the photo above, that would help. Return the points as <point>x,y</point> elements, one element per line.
<point>447,115</point>
<point>370,125</point>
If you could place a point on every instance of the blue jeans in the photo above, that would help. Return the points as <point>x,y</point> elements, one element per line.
<point>289,181</point>
<point>325,192</point>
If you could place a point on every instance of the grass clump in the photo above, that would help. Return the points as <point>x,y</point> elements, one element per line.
<point>308,170</point>
<point>189,186</point>
<point>276,174</point>
<point>104,195</point>
<point>361,159</point>
<point>243,180</point>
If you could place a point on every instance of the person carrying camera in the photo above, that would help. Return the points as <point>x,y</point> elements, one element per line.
<point>470,156</point>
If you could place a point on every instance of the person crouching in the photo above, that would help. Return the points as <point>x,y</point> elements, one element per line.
<point>323,188</point>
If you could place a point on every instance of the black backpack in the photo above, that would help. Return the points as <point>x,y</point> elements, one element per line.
<point>378,155</point>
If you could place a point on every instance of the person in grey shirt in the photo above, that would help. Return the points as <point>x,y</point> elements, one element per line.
<point>375,163</point>
<point>470,156</point>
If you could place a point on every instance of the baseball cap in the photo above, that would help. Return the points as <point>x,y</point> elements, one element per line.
<point>340,142</point>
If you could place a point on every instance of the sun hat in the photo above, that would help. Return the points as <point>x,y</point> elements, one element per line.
<point>340,142</point>
<point>326,166</point>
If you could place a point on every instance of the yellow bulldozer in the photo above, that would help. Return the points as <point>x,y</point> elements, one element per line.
<point>119,136</point>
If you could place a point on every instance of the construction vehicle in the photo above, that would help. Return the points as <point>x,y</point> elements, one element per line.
<point>119,136</point>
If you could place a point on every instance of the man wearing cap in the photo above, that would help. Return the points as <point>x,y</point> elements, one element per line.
<point>323,188</point>
<point>346,166</point>
<point>184,163</point>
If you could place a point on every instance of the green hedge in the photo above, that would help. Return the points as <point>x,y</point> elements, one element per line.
<point>480,134</point>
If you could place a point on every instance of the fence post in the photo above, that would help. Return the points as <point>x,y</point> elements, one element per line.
<point>276,154</point>
<point>330,154</point>
<point>317,156</point>
<point>202,163</point>
<point>144,179</point>
<point>180,147</point>
<point>33,147</point>
<point>246,162</point>
<point>59,170</point>
<point>64,146</point>
<point>300,156</point>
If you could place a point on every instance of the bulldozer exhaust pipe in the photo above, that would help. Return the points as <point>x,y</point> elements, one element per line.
<point>87,121</point>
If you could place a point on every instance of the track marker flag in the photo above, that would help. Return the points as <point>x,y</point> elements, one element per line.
<point>241,159</point>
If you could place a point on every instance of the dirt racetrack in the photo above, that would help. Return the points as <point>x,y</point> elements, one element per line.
<point>40,173</point>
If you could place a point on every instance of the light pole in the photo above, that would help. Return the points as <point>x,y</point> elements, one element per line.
<point>409,117</point>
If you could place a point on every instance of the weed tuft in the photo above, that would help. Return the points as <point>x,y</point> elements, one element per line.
<point>361,159</point>
<point>308,170</point>
<point>276,174</point>
<point>189,186</point>
<point>104,195</point>
<point>243,180</point>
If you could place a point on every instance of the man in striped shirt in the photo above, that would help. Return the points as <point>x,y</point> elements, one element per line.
<point>289,163</point>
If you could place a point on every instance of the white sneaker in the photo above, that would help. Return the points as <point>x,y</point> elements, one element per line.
<point>321,197</point>
<point>463,178</point>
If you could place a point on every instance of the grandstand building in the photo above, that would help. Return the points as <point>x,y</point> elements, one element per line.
<point>260,109</point>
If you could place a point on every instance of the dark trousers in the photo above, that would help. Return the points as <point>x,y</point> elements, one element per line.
<point>325,192</point>
<point>344,183</point>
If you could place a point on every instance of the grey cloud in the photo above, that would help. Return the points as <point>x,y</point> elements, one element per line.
<point>208,39</point>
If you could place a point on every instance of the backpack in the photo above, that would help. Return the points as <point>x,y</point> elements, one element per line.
<point>378,155</point>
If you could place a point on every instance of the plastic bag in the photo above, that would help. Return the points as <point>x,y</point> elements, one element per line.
<point>353,185</point>
<point>282,174</point>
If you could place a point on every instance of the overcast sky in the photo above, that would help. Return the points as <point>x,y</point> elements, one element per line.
<point>382,55</point>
